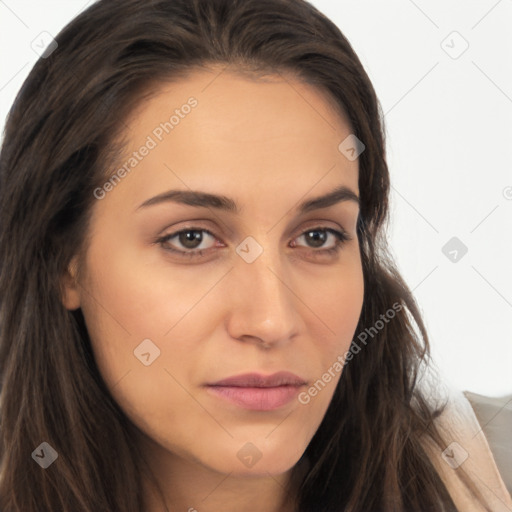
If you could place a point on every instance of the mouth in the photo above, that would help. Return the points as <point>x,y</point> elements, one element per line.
<point>257,392</point>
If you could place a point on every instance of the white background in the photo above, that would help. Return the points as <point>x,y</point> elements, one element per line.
<point>449,143</point>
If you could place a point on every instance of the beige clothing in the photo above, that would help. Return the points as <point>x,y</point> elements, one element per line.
<point>467,448</point>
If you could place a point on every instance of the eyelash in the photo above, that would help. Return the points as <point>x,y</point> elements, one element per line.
<point>342,237</point>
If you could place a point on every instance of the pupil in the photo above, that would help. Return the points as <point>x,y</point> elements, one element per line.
<point>191,239</point>
<point>318,240</point>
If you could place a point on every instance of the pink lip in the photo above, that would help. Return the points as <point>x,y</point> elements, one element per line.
<point>258,392</point>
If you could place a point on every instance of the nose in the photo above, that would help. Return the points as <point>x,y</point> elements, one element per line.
<point>262,304</point>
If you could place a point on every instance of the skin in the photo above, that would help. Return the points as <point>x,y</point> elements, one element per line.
<point>267,145</point>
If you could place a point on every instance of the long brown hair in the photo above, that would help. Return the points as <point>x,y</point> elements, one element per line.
<point>60,143</point>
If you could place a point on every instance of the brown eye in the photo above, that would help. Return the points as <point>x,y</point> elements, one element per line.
<point>317,237</point>
<point>187,242</point>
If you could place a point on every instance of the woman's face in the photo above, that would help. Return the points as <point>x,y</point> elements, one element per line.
<point>248,287</point>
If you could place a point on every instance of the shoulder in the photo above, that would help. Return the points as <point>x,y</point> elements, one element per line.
<point>467,450</point>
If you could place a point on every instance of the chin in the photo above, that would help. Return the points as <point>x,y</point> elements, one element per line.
<point>259,458</point>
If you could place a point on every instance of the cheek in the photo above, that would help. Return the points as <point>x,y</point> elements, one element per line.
<point>134,316</point>
<point>337,303</point>
<point>136,297</point>
<point>127,303</point>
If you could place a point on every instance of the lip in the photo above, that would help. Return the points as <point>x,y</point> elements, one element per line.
<point>258,380</point>
<point>258,392</point>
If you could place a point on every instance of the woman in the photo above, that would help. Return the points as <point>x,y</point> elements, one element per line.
<point>198,308</point>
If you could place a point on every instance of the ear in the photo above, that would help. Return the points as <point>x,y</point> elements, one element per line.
<point>69,287</point>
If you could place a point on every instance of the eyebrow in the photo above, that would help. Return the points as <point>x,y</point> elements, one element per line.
<point>220,202</point>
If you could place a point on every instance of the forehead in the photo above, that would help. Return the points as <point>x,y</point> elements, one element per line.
<point>219,129</point>
<point>272,101</point>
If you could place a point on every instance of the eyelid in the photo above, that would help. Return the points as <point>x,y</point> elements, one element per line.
<point>317,224</point>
